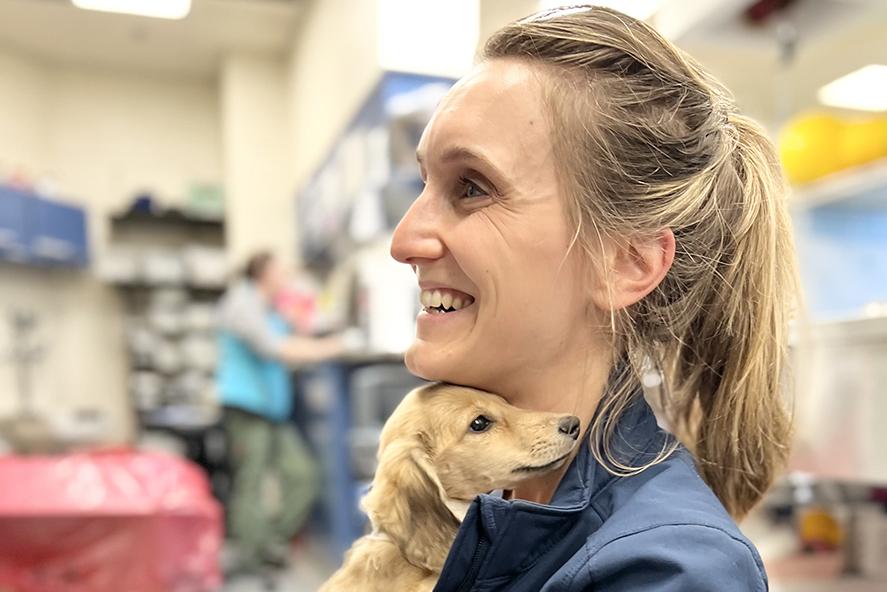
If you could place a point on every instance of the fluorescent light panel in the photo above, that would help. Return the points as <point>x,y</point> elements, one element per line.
<point>166,9</point>
<point>437,38</point>
<point>863,90</point>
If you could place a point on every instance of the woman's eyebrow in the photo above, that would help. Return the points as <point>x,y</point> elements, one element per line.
<point>455,153</point>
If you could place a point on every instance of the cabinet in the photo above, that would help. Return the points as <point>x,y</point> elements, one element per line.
<point>839,370</point>
<point>38,231</point>
<point>840,228</point>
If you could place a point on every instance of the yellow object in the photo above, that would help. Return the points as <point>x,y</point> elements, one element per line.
<point>818,528</point>
<point>863,141</point>
<point>809,147</point>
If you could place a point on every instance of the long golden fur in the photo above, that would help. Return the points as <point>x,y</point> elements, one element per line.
<point>432,463</point>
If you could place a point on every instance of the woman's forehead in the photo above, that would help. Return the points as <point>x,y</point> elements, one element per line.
<point>497,108</point>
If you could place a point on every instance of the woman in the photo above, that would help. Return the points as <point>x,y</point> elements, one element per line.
<point>256,347</point>
<point>595,206</point>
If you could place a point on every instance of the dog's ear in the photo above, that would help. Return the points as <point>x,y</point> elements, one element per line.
<point>458,508</point>
<point>407,502</point>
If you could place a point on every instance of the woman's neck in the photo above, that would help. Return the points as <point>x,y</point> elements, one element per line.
<point>540,489</point>
<point>577,393</point>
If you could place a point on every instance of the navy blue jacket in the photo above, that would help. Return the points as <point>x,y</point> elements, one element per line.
<point>662,529</point>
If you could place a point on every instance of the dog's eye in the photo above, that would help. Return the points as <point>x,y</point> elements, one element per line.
<point>480,424</point>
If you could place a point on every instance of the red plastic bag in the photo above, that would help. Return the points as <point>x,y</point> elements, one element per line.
<point>114,521</point>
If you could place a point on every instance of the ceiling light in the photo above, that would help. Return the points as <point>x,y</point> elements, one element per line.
<point>166,9</point>
<point>865,90</point>
<point>436,38</point>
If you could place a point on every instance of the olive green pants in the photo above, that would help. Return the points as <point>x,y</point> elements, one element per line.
<point>258,448</point>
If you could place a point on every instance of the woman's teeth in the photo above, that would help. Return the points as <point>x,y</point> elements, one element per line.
<point>444,300</point>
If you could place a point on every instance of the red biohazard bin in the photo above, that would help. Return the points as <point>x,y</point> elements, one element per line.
<point>118,521</point>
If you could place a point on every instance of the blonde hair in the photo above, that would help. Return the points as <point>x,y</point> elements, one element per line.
<point>646,140</point>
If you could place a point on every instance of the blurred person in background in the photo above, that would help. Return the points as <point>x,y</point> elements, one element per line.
<point>257,348</point>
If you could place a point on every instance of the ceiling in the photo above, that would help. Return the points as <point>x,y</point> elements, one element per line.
<point>772,80</point>
<point>833,37</point>
<point>56,31</point>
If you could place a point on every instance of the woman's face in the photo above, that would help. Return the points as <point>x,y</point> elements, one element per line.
<point>273,278</point>
<point>489,232</point>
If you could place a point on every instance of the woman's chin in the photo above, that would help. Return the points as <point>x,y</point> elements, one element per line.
<point>427,361</point>
<point>417,361</point>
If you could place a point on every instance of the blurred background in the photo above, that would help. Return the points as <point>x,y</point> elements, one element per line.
<point>145,157</point>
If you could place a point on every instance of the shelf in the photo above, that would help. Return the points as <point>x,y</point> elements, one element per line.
<point>863,187</point>
<point>168,218</point>
<point>854,330</point>
<point>197,291</point>
<point>167,374</point>
<point>184,418</point>
<point>358,177</point>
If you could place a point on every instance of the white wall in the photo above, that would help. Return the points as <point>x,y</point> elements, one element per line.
<point>256,155</point>
<point>24,86</point>
<point>495,14</point>
<point>114,133</point>
<point>333,67</point>
<point>101,136</point>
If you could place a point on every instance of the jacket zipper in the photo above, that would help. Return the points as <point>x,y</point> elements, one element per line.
<point>476,561</point>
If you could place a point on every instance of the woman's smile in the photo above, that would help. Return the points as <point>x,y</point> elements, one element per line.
<point>444,300</point>
<point>442,308</point>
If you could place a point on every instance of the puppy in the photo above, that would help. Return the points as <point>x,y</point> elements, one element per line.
<point>441,447</point>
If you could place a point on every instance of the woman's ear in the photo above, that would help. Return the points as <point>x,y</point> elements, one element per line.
<point>630,268</point>
<point>406,504</point>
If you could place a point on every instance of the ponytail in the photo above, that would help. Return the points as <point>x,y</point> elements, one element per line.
<point>726,369</point>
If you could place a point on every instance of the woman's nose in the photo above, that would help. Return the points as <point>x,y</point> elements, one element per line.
<point>417,236</point>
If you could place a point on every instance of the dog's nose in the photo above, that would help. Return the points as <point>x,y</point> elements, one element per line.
<point>569,426</point>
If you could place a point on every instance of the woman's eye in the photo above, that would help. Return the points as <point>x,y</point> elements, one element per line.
<point>471,190</point>
<point>480,424</point>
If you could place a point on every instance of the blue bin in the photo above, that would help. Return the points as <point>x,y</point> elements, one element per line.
<point>15,207</point>
<point>59,235</point>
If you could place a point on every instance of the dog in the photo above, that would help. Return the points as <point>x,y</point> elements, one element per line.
<point>442,446</point>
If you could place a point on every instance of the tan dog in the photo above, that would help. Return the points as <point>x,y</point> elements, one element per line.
<point>441,447</point>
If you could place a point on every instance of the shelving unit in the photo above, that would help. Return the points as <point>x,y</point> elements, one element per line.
<point>862,187</point>
<point>170,328</point>
<point>346,213</point>
<point>840,380</point>
<point>370,177</point>
<point>841,347</point>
